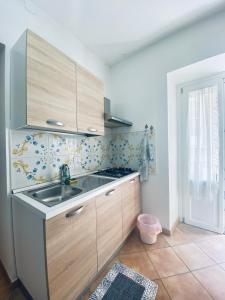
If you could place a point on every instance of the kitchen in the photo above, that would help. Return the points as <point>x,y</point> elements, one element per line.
<point>77,107</point>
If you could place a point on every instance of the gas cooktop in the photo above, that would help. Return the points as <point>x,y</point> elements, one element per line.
<point>115,172</point>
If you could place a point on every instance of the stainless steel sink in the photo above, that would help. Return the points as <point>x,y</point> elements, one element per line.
<point>54,194</point>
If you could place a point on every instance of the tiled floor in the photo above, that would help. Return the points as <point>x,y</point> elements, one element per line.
<point>190,265</point>
<point>7,290</point>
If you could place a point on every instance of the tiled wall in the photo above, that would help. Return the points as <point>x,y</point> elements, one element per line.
<point>36,156</point>
<point>126,150</point>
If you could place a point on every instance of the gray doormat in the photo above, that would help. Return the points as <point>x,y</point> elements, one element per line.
<point>122,283</point>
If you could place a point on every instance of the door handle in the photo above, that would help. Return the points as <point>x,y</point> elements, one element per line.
<point>109,193</point>
<point>54,122</point>
<point>75,212</point>
<point>92,129</point>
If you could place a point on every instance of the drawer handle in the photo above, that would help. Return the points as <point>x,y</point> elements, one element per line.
<point>109,193</point>
<point>92,129</point>
<point>75,212</point>
<point>55,122</point>
<point>132,180</point>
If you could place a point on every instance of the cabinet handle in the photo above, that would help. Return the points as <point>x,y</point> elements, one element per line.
<point>92,129</point>
<point>110,192</point>
<point>55,122</point>
<point>75,212</point>
<point>132,180</point>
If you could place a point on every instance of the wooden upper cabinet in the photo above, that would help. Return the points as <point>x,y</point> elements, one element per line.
<point>51,86</point>
<point>90,103</point>
<point>49,90</point>
<point>71,254</point>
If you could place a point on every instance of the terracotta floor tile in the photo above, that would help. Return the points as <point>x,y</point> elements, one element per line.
<point>177,238</point>
<point>161,293</point>
<point>186,234</point>
<point>193,256</point>
<point>161,243</point>
<point>185,287</point>
<point>141,263</point>
<point>213,279</point>
<point>166,262</point>
<point>194,233</point>
<point>133,245</point>
<point>214,248</point>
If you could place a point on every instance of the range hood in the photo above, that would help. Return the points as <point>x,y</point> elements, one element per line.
<point>112,121</point>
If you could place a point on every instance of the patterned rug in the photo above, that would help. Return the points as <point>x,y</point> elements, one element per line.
<point>122,283</point>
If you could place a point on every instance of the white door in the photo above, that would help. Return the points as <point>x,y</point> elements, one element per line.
<point>201,146</point>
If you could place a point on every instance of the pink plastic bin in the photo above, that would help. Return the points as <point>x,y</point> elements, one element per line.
<point>149,227</point>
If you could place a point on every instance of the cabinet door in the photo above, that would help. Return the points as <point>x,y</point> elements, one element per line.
<point>109,224</point>
<point>131,205</point>
<point>51,86</point>
<point>90,103</point>
<point>71,251</point>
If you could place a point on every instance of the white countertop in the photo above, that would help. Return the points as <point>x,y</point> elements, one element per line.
<point>46,212</point>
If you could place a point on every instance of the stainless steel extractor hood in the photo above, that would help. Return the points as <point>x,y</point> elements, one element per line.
<point>112,121</point>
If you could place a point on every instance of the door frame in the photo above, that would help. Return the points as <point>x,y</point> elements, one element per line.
<point>220,80</point>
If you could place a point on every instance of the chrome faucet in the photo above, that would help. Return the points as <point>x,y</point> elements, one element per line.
<point>64,174</point>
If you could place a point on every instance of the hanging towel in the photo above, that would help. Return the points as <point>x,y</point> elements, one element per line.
<point>145,158</point>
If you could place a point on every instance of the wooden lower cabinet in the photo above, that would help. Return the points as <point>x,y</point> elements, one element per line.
<point>76,244</point>
<point>71,251</point>
<point>109,224</point>
<point>131,205</point>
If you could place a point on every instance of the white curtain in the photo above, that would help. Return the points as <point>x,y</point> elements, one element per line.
<point>202,152</point>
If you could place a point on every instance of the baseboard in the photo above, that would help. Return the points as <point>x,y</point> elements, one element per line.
<point>171,231</point>
<point>175,225</point>
<point>166,231</point>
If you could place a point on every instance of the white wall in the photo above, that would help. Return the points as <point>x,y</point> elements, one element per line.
<point>172,152</point>
<point>15,19</point>
<point>6,250</point>
<point>139,92</point>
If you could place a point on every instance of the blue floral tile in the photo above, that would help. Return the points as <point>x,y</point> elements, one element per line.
<point>121,150</point>
<point>105,152</point>
<point>28,143</point>
<point>37,156</point>
<point>56,162</point>
<point>29,171</point>
<point>77,150</point>
<point>126,150</point>
<point>92,153</point>
<point>60,144</point>
<point>77,167</point>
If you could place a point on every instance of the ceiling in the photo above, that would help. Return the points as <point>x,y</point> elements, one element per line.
<point>113,29</point>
